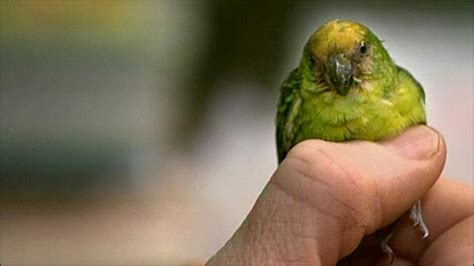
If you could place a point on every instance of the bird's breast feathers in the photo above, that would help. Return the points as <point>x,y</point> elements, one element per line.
<point>358,115</point>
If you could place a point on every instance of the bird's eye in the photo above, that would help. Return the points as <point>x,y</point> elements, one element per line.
<point>362,48</point>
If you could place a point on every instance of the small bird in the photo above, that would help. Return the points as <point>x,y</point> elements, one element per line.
<point>347,87</point>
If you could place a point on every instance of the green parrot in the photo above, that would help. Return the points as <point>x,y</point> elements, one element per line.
<point>347,87</point>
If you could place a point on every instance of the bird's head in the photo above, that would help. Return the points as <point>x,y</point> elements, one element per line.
<point>343,53</point>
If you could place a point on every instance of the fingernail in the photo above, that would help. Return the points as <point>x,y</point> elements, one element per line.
<point>420,143</point>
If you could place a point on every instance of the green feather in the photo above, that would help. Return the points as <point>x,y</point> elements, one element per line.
<point>382,101</point>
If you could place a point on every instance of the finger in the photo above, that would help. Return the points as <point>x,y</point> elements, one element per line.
<point>446,204</point>
<point>362,186</point>
<point>453,247</point>
<point>424,153</point>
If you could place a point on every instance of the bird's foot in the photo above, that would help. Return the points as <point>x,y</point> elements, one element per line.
<point>383,242</point>
<point>417,217</point>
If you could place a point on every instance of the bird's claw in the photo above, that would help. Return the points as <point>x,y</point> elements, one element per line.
<point>383,242</point>
<point>417,217</point>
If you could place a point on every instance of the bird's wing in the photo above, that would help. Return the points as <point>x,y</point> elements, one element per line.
<point>287,121</point>
<point>411,104</point>
<point>404,72</point>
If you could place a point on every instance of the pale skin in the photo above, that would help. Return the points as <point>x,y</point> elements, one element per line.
<point>326,199</point>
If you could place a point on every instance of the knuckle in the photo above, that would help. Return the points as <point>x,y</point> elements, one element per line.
<point>320,162</point>
<point>307,150</point>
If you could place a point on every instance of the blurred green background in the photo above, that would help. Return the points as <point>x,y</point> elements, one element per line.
<point>141,132</point>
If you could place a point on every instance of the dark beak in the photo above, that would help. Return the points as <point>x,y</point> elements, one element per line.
<point>339,73</point>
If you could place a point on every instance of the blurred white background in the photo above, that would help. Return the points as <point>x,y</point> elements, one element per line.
<point>142,133</point>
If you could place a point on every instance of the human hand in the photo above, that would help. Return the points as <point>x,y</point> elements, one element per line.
<point>325,199</point>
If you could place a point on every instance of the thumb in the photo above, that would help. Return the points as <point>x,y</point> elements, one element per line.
<point>359,187</point>
<point>325,197</point>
